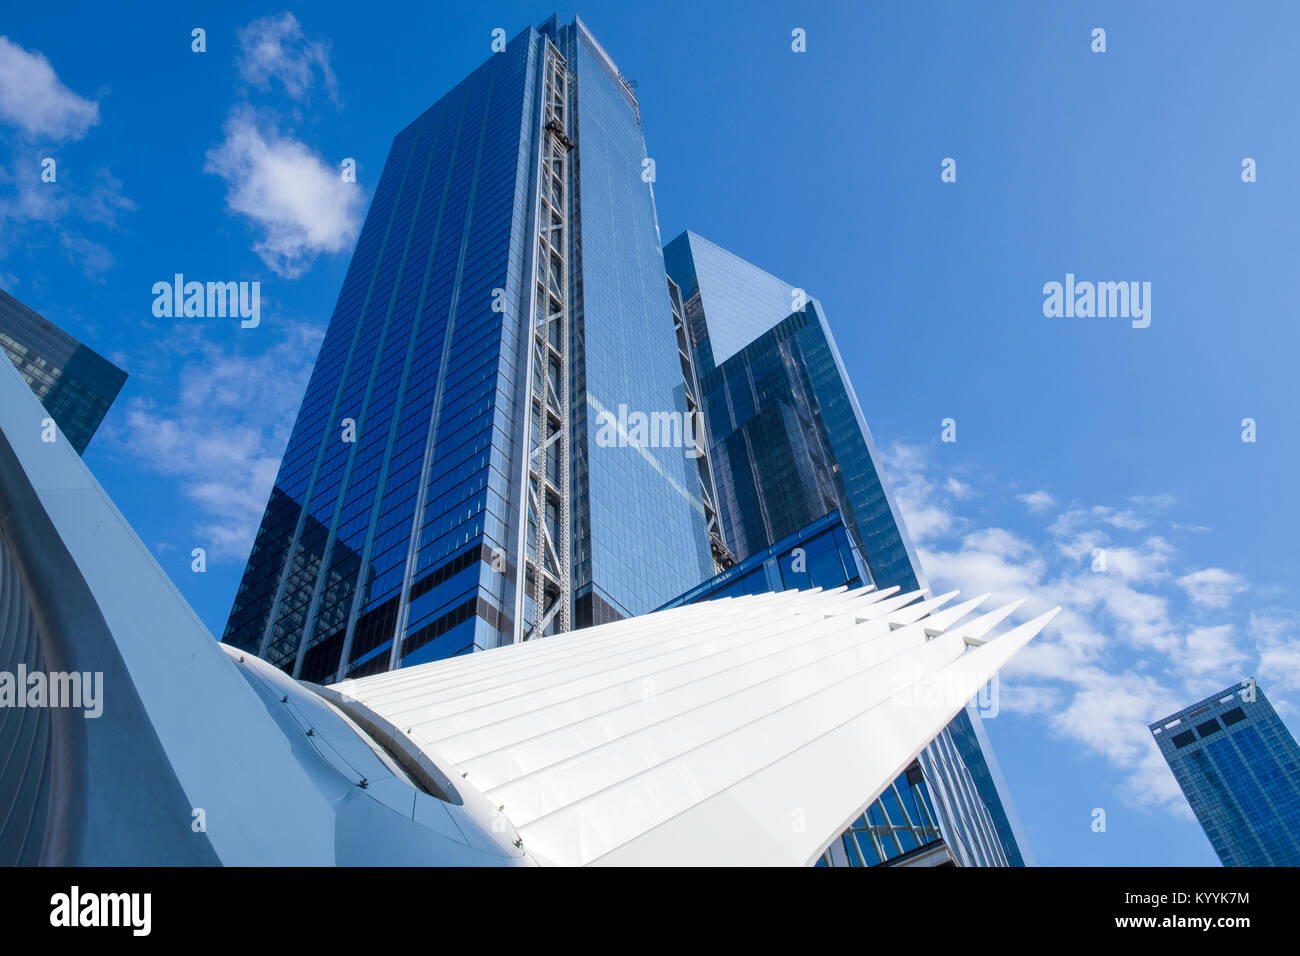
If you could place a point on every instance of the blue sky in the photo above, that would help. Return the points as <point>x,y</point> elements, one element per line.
<point>822,167</point>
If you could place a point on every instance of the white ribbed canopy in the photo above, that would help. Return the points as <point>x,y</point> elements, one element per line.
<point>746,730</point>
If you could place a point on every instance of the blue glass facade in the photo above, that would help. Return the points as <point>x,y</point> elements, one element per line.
<point>788,444</point>
<point>74,383</point>
<point>1239,768</point>
<point>507,280</point>
<point>820,555</point>
<point>788,441</point>
<point>625,353</point>
<point>741,301</point>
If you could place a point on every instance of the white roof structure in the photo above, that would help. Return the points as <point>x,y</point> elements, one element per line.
<point>744,730</point>
<point>747,730</point>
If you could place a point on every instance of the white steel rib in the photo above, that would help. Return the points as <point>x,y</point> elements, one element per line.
<point>746,730</point>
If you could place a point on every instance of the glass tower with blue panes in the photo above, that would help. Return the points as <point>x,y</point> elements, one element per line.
<point>788,445</point>
<point>1239,768</point>
<point>445,488</point>
<point>74,382</point>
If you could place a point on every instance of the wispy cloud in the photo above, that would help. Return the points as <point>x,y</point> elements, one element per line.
<point>1212,587</point>
<point>37,214</point>
<point>1037,501</point>
<point>1069,521</point>
<point>1275,632</point>
<point>917,493</point>
<point>1213,650</point>
<point>33,100</point>
<point>93,258</point>
<point>275,48</point>
<point>1127,647</point>
<point>296,202</point>
<point>224,438</point>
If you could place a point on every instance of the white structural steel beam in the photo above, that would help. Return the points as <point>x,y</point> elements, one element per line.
<point>544,542</point>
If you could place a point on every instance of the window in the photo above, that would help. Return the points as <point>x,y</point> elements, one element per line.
<point>1183,739</point>
<point>1209,727</point>
<point>1231,717</point>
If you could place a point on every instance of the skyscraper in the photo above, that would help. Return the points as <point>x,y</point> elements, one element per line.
<point>788,445</point>
<point>445,487</point>
<point>74,383</point>
<point>788,441</point>
<point>1239,768</point>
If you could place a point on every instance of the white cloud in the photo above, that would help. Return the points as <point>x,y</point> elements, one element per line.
<point>1068,522</point>
<point>299,204</point>
<point>274,48</point>
<point>1144,563</point>
<point>1108,714</point>
<point>35,215</point>
<point>30,199</point>
<point>104,201</point>
<point>1274,633</point>
<point>1028,699</point>
<point>1037,501</point>
<point>1212,587</point>
<point>33,100</point>
<point>919,497</point>
<point>1212,650</point>
<point>1125,649</point>
<point>958,489</point>
<point>977,570</point>
<point>224,439</point>
<point>1141,618</point>
<point>998,542</point>
<point>33,212</point>
<point>924,523</point>
<point>93,258</point>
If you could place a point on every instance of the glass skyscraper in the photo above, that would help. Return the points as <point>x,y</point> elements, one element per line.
<point>1239,768</point>
<point>788,441</point>
<point>788,444</point>
<point>446,487</point>
<point>74,383</point>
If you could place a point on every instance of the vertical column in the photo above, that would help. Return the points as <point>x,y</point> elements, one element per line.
<point>546,545</point>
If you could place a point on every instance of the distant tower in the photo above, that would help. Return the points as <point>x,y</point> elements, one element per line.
<point>74,383</point>
<point>1239,768</point>
<point>788,445</point>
